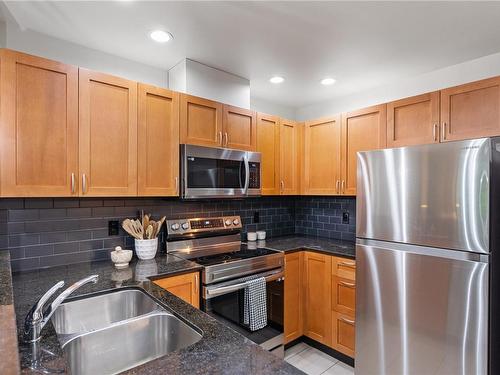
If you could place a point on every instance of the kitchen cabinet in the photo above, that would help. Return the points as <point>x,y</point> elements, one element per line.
<point>343,333</point>
<point>185,286</point>
<point>239,128</point>
<point>200,121</point>
<point>39,127</point>
<point>268,144</point>
<point>288,166</point>
<point>322,156</point>
<point>362,130</point>
<point>300,157</point>
<point>293,296</point>
<point>471,110</point>
<point>413,121</point>
<point>158,142</point>
<point>107,135</point>
<point>317,297</point>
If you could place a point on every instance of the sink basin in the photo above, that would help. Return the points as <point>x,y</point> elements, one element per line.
<point>127,345</point>
<point>118,330</point>
<point>100,311</point>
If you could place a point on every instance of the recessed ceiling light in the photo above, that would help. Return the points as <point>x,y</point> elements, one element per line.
<point>276,79</point>
<point>160,36</point>
<point>327,81</point>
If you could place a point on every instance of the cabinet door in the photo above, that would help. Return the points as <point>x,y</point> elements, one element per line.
<point>413,121</point>
<point>300,157</point>
<point>240,128</point>
<point>343,295</point>
<point>39,126</point>
<point>317,285</point>
<point>186,287</point>
<point>343,333</point>
<point>288,157</point>
<point>158,142</point>
<point>108,135</point>
<point>343,267</point>
<point>201,121</point>
<point>268,144</point>
<point>293,296</point>
<point>322,156</point>
<point>362,130</point>
<point>471,110</point>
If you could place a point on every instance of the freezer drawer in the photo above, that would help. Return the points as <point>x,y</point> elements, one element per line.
<point>418,313</point>
<point>430,195</point>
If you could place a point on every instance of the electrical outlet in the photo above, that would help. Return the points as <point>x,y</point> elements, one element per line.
<point>113,227</point>
<point>256,217</point>
<point>345,217</point>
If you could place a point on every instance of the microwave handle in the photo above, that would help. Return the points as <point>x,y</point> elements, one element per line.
<point>247,174</point>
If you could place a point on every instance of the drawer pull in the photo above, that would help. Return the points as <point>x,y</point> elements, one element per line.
<point>349,285</point>
<point>345,320</point>
<point>347,264</point>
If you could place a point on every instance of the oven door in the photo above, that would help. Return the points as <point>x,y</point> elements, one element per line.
<point>219,173</point>
<point>225,302</point>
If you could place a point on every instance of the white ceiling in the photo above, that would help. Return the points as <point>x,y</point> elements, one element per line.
<point>362,45</point>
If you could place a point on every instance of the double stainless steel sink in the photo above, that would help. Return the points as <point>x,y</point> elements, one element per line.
<point>115,331</point>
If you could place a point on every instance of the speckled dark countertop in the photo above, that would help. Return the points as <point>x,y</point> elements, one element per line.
<point>320,244</point>
<point>220,351</point>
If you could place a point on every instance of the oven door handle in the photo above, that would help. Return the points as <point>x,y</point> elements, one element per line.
<point>213,292</point>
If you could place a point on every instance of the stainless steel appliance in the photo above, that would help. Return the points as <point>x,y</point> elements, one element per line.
<point>209,172</point>
<point>215,243</point>
<point>427,269</point>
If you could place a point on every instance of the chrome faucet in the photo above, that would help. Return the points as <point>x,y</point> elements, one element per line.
<point>38,316</point>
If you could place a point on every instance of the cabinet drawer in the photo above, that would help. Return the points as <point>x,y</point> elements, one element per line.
<point>343,333</point>
<point>343,295</point>
<point>344,267</point>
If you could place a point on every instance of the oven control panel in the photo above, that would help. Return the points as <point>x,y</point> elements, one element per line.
<point>179,227</point>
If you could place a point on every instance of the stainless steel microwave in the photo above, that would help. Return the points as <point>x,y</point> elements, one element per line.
<point>210,172</point>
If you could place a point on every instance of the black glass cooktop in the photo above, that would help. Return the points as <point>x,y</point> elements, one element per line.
<point>243,253</point>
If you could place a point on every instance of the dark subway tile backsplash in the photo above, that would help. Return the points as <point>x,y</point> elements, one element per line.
<point>48,232</point>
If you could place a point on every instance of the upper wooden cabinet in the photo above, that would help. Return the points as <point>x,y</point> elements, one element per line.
<point>186,287</point>
<point>158,142</point>
<point>322,156</point>
<point>200,121</point>
<point>317,297</point>
<point>108,135</point>
<point>413,121</point>
<point>362,130</point>
<point>289,168</point>
<point>471,110</point>
<point>39,127</point>
<point>293,296</point>
<point>239,128</point>
<point>268,144</point>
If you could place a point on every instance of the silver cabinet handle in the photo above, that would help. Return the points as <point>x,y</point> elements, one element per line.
<point>220,138</point>
<point>196,286</point>
<point>444,130</point>
<point>434,132</point>
<point>72,183</point>
<point>226,139</point>
<point>176,185</point>
<point>347,264</point>
<point>84,183</point>
<point>343,186</point>
<point>349,285</point>
<point>282,184</point>
<point>348,321</point>
<point>337,186</point>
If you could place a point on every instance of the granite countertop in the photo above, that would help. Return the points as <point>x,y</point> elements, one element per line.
<point>220,351</point>
<point>324,245</point>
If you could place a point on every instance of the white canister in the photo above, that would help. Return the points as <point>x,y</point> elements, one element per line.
<point>146,249</point>
<point>261,234</point>
<point>252,236</point>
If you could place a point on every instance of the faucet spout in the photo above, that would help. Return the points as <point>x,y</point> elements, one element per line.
<point>38,316</point>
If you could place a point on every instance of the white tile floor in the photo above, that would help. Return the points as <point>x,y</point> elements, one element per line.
<point>315,362</point>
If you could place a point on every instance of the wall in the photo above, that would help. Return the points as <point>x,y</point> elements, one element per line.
<point>262,105</point>
<point>49,232</point>
<point>52,48</point>
<point>468,71</point>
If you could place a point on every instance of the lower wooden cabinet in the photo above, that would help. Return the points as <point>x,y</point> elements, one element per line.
<point>320,299</point>
<point>185,286</point>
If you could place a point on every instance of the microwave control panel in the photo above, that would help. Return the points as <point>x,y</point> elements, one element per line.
<point>254,180</point>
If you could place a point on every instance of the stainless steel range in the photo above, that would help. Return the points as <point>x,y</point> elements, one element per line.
<point>215,243</point>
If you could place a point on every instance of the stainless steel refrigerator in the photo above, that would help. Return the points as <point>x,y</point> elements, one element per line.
<point>427,273</point>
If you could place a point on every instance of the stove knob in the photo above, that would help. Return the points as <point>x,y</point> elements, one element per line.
<point>175,226</point>
<point>185,225</point>
<point>236,222</point>
<point>228,222</point>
